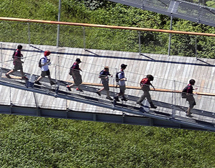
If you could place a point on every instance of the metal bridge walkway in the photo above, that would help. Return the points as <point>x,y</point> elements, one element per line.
<point>176,8</point>
<point>131,113</point>
<point>170,73</point>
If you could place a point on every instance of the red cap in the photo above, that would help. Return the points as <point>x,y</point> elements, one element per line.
<point>46,53</point>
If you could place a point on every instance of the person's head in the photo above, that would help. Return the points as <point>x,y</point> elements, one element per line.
<point>78,60</point>
<point>46,53</point>
<point>123,66</point>
<point>150,77</point>
<point>192,81</point>
<point>106,68</point>
<point>19,47</point>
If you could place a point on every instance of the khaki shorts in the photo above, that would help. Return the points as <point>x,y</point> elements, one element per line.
<point>105,84</point>
<point>122,89</point>
<point>77,79</point>
<point>191,101</point>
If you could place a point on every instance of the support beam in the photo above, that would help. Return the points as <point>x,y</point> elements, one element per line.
<point>99,117</point>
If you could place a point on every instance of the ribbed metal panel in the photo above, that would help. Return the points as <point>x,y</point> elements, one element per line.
<point>180,9</point>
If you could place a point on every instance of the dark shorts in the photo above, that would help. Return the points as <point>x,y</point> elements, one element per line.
<point>45,73</point>
<point>17,67</point>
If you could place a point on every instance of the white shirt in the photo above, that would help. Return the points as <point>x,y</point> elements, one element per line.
<point>120,76</point>
<point>43,61</point>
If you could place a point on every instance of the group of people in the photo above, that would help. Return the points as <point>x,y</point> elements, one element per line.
<point>145,83</point>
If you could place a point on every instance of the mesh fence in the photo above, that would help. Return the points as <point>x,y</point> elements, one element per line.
<point>192,10</point>
<point>108,39</point>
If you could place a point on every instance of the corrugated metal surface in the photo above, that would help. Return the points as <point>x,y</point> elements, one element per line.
<point>171,72</point>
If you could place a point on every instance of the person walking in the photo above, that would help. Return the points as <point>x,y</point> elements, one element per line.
<point>105,81</point>
<point>17,56</point>
<point>75,73</point>
<point>145,84</point>
<point>187,93</point>
<point>44,64</point>
<point>121,82</point>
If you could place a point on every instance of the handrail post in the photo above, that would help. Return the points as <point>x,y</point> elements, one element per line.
<point>1,62</point>
<point>84,38</point>
<point>173,107</point>
<point>36,103</point>
<point>29,34</point>
<point>58,26</point>
<point>170,37</point>
<point>196,47</point>
<point>10,99</point>
<point>139,42</point>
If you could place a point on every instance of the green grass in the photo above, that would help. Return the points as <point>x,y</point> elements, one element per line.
<point>48,142</point>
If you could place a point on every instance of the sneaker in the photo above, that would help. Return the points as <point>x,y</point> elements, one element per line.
<point>25,78</point>
<point>52,83</point>
<point>189,115</point>
<point>79,89</point>
<point>109,98</point>
<point>98,93</point>
<point>139,103</point>
<point>124,99</point>
<point>152,105</point>
<point>7,75</point>
<point>37,82</point>
<point>116,98</point>
<point>68,87</point>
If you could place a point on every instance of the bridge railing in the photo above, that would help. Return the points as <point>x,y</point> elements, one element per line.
<point>166,97</point>
<point>105,37</point>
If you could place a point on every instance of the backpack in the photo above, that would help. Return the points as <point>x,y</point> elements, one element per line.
<point>14,54</point>
<point>117,76</point>
<point>70,71</point>
<point>40,64</point>
<point>143,80</point>
<point>184,92</point>
<point>101,73</point>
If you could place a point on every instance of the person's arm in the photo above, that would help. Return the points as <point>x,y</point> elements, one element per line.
<point>43,63</point>
<point>110,75</point>
<point>152,86</point>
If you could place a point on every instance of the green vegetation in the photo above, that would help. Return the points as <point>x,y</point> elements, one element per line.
<point>47,142</point>
<point>107,13</point>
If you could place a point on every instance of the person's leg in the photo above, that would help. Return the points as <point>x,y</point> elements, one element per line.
<point>8,73</point>
<point>49,77</point>
<point>78,82</point>
<point>105,87</point>
<point>38,80</point>
<point>192,103</point>
<point>43,74</point>
<point>22,73</point>
<point>50,80</point>
<point>139,101</point>
<point>107,91</point>
<point>123,94</point>
<point>98,91</point>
